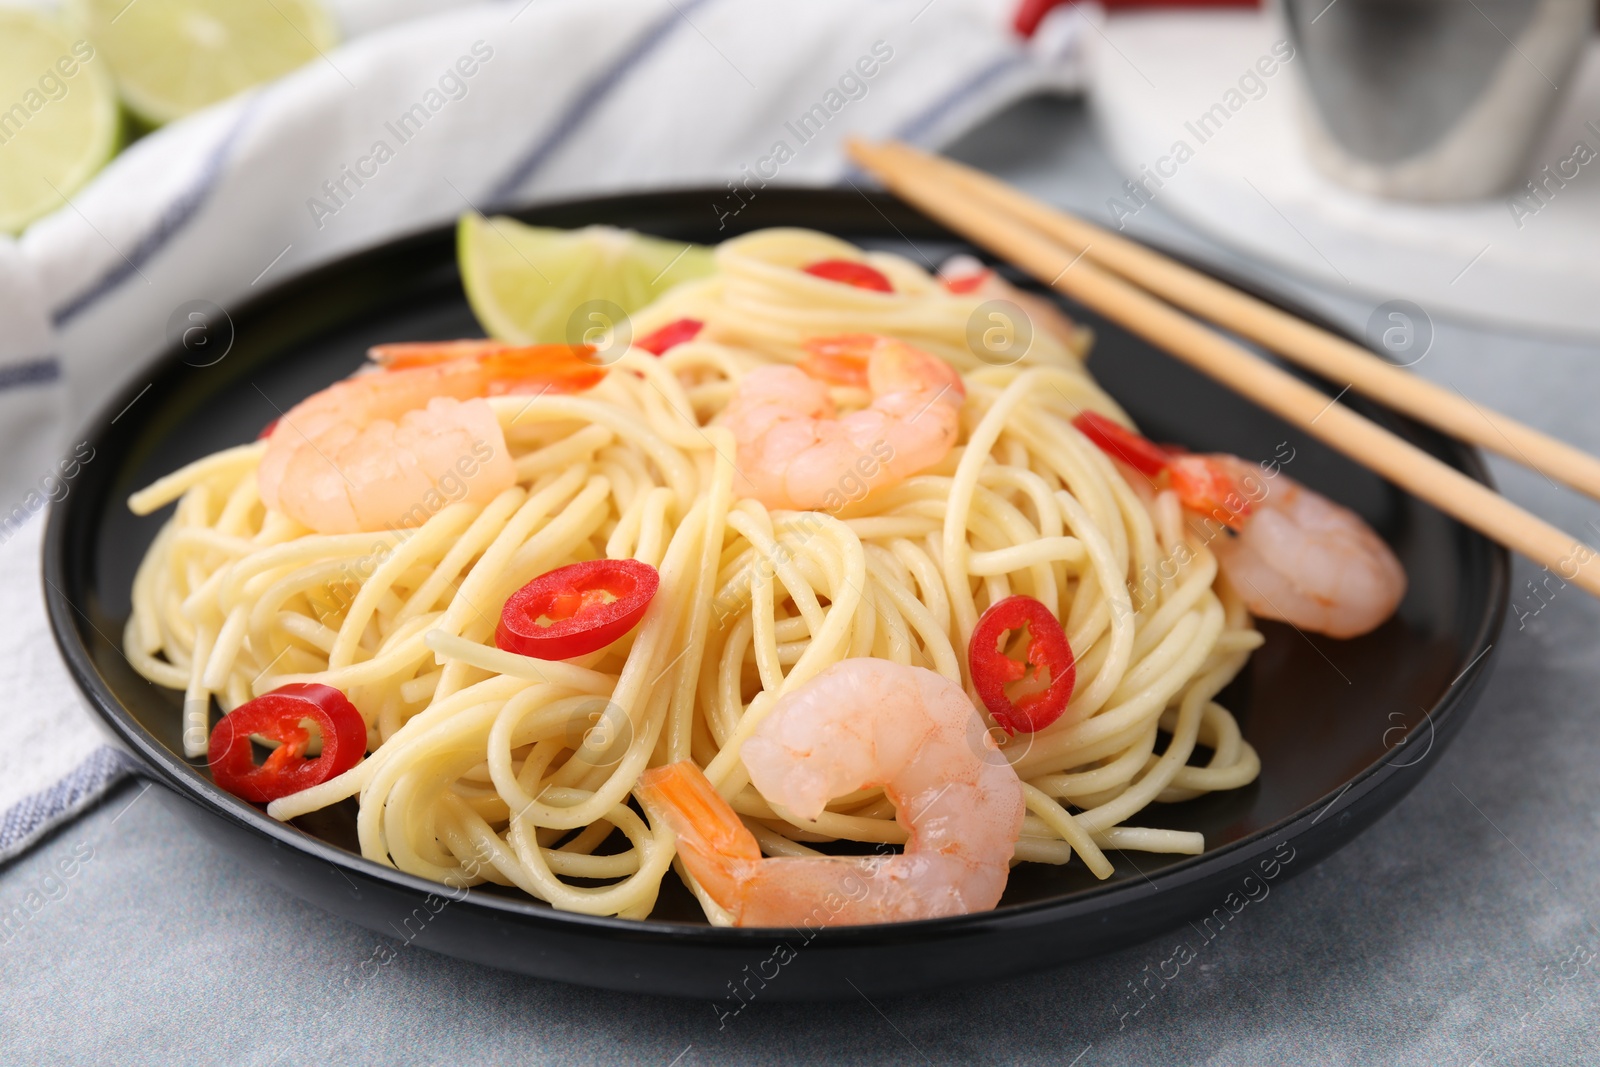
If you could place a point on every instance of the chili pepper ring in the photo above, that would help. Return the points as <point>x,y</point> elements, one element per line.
<point>576,609</point>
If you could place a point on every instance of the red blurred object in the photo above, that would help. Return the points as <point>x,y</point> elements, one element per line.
<point>1137,452</point>
<point>967,283</point>
<point>669,336</point>
<point>850,272</point>
<point>1032,12</point>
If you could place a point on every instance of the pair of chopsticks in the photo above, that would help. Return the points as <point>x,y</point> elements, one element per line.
<point>1143,291</point>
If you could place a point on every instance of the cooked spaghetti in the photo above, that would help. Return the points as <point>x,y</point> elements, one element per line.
<point>488,765</point>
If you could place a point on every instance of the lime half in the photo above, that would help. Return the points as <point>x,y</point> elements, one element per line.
<point>526,283</point>
<point>172,57</point>
<point>58,116</point>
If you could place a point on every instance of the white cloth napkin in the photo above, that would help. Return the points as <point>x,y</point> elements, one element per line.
<point>490,104</point>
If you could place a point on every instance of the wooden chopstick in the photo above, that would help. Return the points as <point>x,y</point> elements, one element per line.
<point>1072,272</point>
<point>1293,338</point>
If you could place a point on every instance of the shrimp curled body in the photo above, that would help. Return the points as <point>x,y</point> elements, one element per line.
<point>795,451</point>
<point>1305,560</point>
<point>861,723</point>
<point>372,451</point>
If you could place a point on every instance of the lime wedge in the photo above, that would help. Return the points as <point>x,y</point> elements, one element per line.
<point>58,116</point>
<point>526,283</point>
<point>172,57</point>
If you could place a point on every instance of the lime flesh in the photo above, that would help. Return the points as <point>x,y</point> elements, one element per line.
<point>531,285</point>
<point>174,57</point>
<point>58,116</point>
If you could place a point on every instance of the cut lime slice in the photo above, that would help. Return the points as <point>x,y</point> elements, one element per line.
<point>532,285</point>
<point>172,57</point>
<point>58,116</point>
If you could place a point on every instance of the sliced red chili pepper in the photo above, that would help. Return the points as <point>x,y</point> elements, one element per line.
<point>1202,484</point>
<point>851,272</point>
<point>280,716</point>
<point>1206,486</point>
<point>967,283</point>
<point>1050,670</point>
<point>672,334</point>
<point>1121,443</point>
<point>576,609</point>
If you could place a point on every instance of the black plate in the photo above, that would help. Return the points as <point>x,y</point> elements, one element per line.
<point>1344,728</point>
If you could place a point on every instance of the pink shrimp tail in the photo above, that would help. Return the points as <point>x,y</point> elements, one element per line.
<point>859,723</point>
<point>716,847</point>
<point>810,892</point>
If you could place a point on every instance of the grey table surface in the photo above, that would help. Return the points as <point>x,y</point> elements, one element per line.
<point>1464,928</point>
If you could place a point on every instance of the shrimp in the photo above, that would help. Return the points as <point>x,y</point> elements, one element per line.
<point>860,723</point>
<point>795,452</point>
<point>1301,558</point>
<point>369,452</point>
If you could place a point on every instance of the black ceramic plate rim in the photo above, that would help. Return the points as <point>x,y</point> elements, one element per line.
<point>176,773</point>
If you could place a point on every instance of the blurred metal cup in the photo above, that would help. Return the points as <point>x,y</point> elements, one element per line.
<point>1432,99</point>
